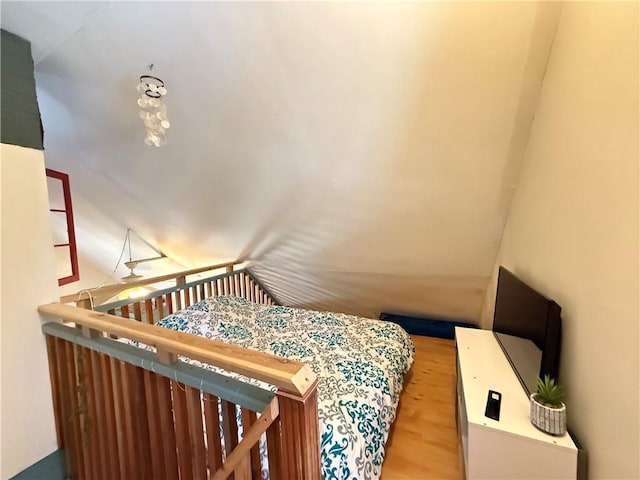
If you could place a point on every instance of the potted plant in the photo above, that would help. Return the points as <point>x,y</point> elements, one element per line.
<point>548,412</point>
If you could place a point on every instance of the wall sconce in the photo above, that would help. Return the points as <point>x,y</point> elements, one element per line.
<point>154,112</point>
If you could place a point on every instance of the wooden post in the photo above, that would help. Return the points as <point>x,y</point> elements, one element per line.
<point>84,303</point>
<point>300,438</point>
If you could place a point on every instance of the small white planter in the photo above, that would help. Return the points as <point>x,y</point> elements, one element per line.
<point>547,419</point>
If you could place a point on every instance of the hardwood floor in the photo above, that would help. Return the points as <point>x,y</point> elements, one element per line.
<point>424,443</point>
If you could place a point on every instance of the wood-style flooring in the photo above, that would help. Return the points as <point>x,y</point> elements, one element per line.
<point>423,443</point>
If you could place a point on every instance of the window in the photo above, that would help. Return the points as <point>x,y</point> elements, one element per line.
<point>62,215</point>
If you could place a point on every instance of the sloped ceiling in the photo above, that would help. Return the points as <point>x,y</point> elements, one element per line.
<point>361,156</point>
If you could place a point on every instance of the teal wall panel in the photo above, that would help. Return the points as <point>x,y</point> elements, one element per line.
<point>20,122</point>
<point>51,467</point>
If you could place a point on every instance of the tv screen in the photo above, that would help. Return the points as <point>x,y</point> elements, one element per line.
<point>527,327</point>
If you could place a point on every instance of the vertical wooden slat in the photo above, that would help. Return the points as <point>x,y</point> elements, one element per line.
<point>90,424</point>
<point>192,294</point>
<point>300,436</point>
<point>75,418</point>
<point>214,446</point>
<point>160,306</point>
<point>65,419</point>
<point>124,311</point>
<point>153,422</point>
<point>229,426</point>
<point>55,388</point>
<point>216,290</point>
<point>187,297</point>
<point>249,418</point>
<point>148,310</point>
<point>119,417</point>
<point>209,290</point>
<point>178,300</point>
<point>129,421</point>
<point>226,285</point>
<point>141,427</point>
<point>167,427</point>
<point>236,283</point>
<point>203,295</point>
<point>169,301</point>
<point>274,449</point>
<point>182,430</point>
<point>110,418</point>
<point>194,414</point>
<point>137,311</point>
<point>247,283</point>
<point>243,288</point>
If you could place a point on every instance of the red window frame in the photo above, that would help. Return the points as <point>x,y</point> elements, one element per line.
<point>71,232</point>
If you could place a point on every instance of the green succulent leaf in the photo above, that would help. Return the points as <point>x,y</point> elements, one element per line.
<point>549,392</point>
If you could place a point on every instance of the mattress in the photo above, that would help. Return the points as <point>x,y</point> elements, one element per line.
<point>360,364</point>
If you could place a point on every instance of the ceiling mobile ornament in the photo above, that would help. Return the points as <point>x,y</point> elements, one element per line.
<point>153,109</point>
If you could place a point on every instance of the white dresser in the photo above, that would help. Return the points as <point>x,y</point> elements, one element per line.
<point>511,448</point>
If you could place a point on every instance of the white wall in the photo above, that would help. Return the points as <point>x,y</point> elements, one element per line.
<point>90,277</point>
<point>363,155</point>
<point>28,280</point>
<point>572,232</point>
<point>1,315</point>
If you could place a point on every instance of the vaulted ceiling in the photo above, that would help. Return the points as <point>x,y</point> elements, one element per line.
<point>361,156</point>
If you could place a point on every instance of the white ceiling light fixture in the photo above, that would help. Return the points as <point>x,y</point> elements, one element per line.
<point>132,264</point>
<point>154,111</point>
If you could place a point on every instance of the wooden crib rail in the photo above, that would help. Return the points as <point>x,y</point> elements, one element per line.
<point>288,375</point>
<point>104,293</point>
<point>122,415</point>
<point>188,404</point>
<point>158,303</point>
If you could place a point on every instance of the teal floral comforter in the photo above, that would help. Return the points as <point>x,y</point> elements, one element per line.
<point>360,364</point>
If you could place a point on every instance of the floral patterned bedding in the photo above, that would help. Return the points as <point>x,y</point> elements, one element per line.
<point>360,364</point>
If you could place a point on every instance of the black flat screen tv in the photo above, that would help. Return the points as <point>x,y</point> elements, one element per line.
<point>527,326</point>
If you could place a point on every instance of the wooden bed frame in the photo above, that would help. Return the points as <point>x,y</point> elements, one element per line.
<point>126,413</point>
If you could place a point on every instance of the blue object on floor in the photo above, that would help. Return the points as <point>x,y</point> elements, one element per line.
<point>428,326</point>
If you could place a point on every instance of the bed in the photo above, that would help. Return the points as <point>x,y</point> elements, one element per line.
<point>315,392</point>
<point>360,365</point>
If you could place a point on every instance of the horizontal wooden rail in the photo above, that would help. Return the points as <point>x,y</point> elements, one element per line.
<point>109,291</point>
<point>241,393</point>
<point>165,291</point>
<point>288,375</point>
